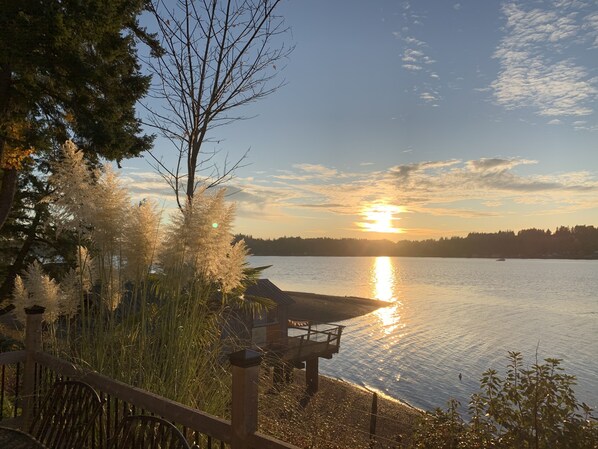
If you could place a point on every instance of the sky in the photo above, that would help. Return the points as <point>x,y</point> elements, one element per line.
<point>418,119</point>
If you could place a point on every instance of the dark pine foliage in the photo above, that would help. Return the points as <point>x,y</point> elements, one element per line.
<point>69,69</point>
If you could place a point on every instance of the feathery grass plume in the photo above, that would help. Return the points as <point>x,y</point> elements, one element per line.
<point>112,293</point>
<point>107,223</point>
<point>141,240</point>
<point>198,243</point>
<point>110,212</point>
<point>76,284</point>
<point>232,267</point>
<point>36,288</point>
<point>170,316</point>
<point>172,253</point>
<point>72,291</point>
<point>93,203</point>
<point>20,298</point>
<point>72,199</point>
<point>85,267</point>
<point>96,206</point>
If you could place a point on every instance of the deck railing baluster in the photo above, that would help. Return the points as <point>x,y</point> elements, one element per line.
<point>108,428</point>
<point>115,422</point>
<point>3,386</point>
<point>17,381</point>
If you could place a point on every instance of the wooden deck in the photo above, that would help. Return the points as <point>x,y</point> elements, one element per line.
<point>26,376</point>
<point>307,342</point>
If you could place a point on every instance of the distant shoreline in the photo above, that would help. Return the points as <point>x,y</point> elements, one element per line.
<point>330,308</point>
<point>577,242</point>
<point>592,257</point>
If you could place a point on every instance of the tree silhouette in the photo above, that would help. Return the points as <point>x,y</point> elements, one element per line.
<point>576,242</point>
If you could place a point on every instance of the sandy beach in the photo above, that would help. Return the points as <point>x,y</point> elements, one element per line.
<point>339,415</point>
<point>339,408</point>
<point>329,308</point>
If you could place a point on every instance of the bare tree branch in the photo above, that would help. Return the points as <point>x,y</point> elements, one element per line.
<point>219,55</point>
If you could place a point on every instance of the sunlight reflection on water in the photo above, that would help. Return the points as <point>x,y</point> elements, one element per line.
<point>383,280</point>
<point>451,317</point>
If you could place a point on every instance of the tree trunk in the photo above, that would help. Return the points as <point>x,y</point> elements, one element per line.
<point>7,193</point>
<point>8,185</point>
<point>5,81</point>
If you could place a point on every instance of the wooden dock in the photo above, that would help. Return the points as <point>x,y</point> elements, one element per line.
<point>302,348</point>
<point>312,340</point>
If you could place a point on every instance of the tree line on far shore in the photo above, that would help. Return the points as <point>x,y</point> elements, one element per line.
<point>578,242</point>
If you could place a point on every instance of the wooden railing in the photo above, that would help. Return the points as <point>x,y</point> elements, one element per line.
<point>27,375</point>
<point>11,384</point>
<point>313,339</point>
<point>319,332</point>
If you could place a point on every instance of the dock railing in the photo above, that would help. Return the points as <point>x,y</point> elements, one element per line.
<point>308,339</point>
<point>26,376</point>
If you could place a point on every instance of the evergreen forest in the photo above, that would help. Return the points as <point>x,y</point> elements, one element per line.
<point>578,242</point>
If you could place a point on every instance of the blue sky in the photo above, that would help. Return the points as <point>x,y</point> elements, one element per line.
<point>443,117</point>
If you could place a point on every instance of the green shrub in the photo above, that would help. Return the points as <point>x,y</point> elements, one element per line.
<point>529,408</point>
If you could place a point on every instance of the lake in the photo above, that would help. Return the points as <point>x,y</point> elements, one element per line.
<point>451,317</point>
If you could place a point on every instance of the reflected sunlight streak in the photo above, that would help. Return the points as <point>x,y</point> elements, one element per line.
<point>383,280</point>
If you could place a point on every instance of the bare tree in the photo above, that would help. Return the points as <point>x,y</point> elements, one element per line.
<point>218,56</point>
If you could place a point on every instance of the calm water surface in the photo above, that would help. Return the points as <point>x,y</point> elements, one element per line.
<point>452,316</point>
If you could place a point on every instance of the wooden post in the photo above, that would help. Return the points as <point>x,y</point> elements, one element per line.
<point>246,370</point>
<point>33,344</point>
<point>311,375</point>
<point>373,417</point>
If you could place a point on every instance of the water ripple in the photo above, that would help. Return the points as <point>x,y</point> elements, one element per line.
<point>453,316</point>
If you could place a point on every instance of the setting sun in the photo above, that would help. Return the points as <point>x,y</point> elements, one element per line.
<point>380,218</point>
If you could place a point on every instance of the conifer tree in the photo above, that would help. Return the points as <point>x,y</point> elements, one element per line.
<point>68,69</point>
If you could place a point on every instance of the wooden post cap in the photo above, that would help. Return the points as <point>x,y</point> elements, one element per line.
<point>245,358</point>
<point>35,310</point>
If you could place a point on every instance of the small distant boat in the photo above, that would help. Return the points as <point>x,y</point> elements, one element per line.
<point>501,259</point>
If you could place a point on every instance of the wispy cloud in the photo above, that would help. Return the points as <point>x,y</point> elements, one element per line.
<point>477,188</point>
<point>143,184</point>
<point>539,69</point>
<point>590,26</point>
<point>584,126</point>
<point>412,67</point>
<point>495,165</point>
<point>317,170</point>
<point>482,177</point>
<point>307,172</point>
<point>415,57</point>
<point>430,96</point>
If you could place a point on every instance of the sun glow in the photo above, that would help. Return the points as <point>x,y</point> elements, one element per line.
<point>380,218</point>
